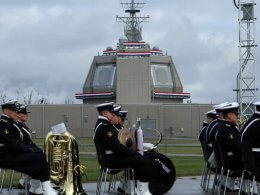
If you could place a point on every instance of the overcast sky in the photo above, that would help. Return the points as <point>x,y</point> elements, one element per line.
<point>48,45</point>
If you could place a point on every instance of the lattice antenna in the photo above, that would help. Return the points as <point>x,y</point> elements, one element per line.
<point>246,89</point>
<point>132,30</point>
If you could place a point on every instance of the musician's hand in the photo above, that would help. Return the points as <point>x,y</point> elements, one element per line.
<point>129,143</point>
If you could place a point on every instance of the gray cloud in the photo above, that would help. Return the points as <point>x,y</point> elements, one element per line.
<point>49,45</point>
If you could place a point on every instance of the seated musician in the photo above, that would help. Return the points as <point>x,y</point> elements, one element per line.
<point>17,155</point>
<point>211,115</point>
<point>35,185</point>
<point>251,134</point>
<point>117,155</point>
<point>228,139</point>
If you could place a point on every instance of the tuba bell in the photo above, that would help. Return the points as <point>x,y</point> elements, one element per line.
<point>63,157</point>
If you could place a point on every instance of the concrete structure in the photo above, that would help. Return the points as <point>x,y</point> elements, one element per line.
<point>170,119</point>
<point>182,186</point>
<point>133,72</point>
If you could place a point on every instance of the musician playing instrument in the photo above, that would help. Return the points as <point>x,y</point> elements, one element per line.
<point>18,155</point>
<point>115,154</point>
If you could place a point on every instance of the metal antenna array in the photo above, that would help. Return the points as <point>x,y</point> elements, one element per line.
<point>132,30</point>
<point>246,89</point>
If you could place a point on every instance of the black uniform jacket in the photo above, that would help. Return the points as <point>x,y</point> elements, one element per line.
<point>11,137</point>
<point>27,139</point>
<point>202,134</point>
<point>250,136</point>
<point>209,128</point>
<point>106,140</point>
<point>228,138</point>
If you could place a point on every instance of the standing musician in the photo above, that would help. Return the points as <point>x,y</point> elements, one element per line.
<point>20,156</point>
<point>35,185</point>
<point>117,155</point>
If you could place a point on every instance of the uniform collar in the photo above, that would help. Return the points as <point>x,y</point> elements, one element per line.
<point>229,122</point>
<point>5,117</point>
<point>102,117</point>
<point>257,112</point>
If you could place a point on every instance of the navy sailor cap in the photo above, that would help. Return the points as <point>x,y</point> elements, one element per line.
<point>11,105</point>
<point>105,106</point>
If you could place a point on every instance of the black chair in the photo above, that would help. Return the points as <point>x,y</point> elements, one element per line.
<point>106,170</point>
<point>11,178</point>
<point>207,168</point>
<point>251,170</point>
<point>218,169</point>
<point>228,169</point>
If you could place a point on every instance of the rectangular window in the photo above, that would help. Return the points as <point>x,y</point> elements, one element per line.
<point>161,75</point>
<point>104,76</point>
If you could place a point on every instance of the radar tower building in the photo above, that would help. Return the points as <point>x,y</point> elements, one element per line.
<point>133,72</point>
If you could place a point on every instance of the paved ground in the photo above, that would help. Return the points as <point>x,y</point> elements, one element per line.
<point>182,186</point>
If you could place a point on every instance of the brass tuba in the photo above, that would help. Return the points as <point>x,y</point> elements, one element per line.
<point>63,157</point>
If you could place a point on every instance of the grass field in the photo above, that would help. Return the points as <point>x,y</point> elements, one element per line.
<point>185,153</point>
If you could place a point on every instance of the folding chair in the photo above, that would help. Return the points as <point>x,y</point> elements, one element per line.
<point>11,178</point>
<point>251,169</point>
<point>227,169</point>
<point>106,170</point>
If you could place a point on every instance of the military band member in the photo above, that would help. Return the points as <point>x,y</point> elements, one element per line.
<point>122,117</point>
<point>116,119</point>
<point>17,155</point>
<point>228,139</point>
<point>211,115</point>
<point>35,185</point>
<point>117,155</point>
<point>214,156</point>
<point>250,136</point>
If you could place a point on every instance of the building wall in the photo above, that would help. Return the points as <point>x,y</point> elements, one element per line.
<point>80,119</point>
<point>133,80</point>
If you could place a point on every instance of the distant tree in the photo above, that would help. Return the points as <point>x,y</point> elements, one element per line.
<point>68,100</point>
<point>3,97</point>
<point>34,97</point>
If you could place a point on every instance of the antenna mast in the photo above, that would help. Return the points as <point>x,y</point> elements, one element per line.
<point>246,89</point>
<point>132,30</point>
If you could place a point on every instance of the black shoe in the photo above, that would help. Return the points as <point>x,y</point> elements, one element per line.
<point>228,189</point>
<point>20,186</point>
<point>34,194</point>
<point>120,190</point>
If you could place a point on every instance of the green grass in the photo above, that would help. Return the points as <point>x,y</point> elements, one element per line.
<point>185,165</point>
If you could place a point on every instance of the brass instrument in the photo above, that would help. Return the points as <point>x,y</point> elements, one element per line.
<point>127,138</point>
<point>242,121</point>
<point>63,157</point>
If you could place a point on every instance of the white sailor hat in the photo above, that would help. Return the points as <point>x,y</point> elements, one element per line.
<point>23,109</point>
<point>11,105</point>
<point>256,103</point>
<point>219,106</point>
<point>105,106</point>
<point>123,114</point>
<point>230,107</point>
<point>116,109</point>
<point>211,113</point>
